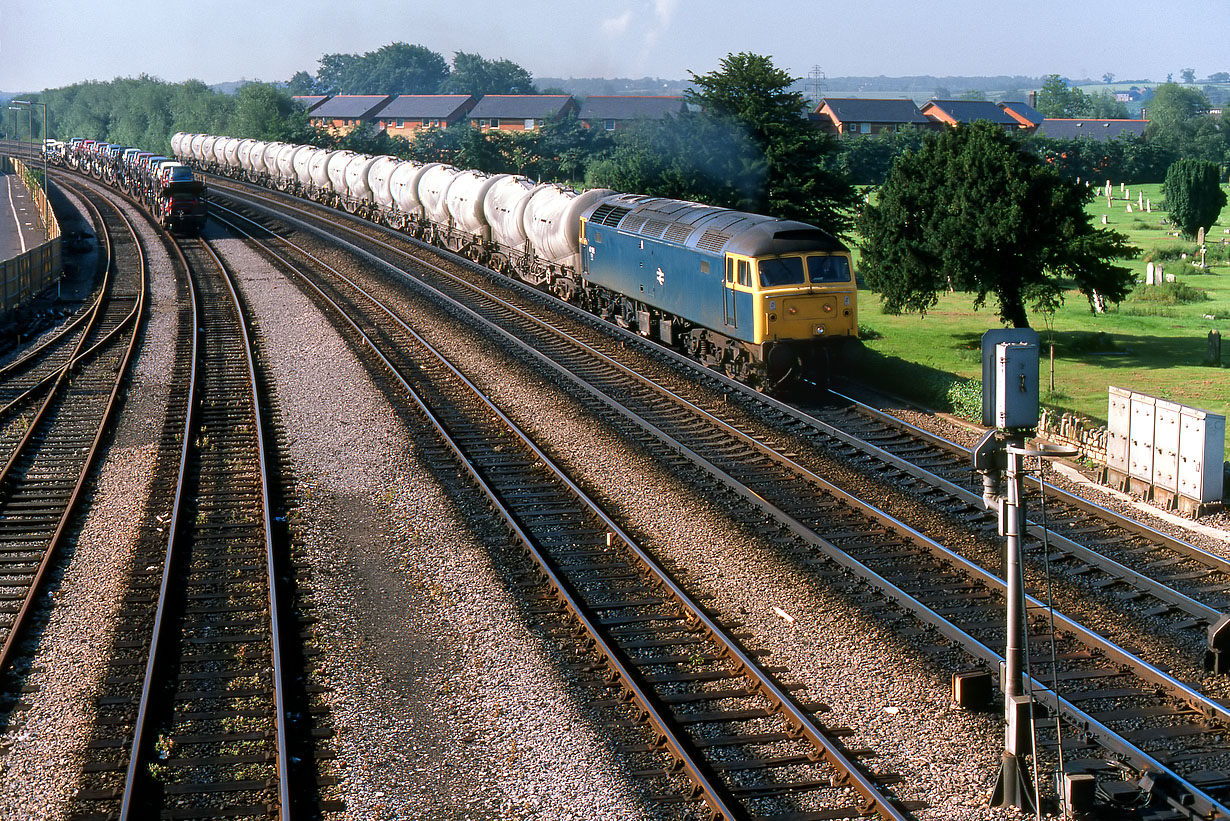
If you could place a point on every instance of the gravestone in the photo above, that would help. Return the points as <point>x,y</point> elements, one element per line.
<point>1215,348</point>
<point>1150,272</point>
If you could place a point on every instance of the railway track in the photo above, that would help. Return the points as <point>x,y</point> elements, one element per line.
<point>56,426</point>
<point>1129,710</point>
<point>198,716</point>
<point>743,742</point>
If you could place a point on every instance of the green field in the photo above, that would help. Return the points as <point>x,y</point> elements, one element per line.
<point>1156,346</point>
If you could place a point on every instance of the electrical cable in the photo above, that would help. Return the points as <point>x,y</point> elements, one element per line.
<point>1050,605</point>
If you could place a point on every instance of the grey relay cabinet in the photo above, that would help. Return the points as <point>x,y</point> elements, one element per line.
<point>1164,451</point>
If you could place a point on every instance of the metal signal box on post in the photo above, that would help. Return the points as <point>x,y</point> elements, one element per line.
<point>1001,401</point>
<point>1016,385</point>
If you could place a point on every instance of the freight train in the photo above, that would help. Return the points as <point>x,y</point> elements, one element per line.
<point>169,189</point>
<point>767,301</point>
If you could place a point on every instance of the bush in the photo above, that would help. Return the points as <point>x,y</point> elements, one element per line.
<point>1168,293</point>
<point>964,398</point>
<point>1171,252</point>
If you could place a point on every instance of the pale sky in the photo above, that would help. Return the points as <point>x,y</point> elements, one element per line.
<point>53,43</point>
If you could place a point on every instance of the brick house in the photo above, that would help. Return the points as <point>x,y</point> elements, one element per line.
<point>959,112</point>
<point>410,112</point>
<point>520,112</point>
<point>615,112</point>
<point>1025,114</point>
<point>847,116</point>
<point>1100,130</point>
<point>346,112</point>
<point>310,102</point>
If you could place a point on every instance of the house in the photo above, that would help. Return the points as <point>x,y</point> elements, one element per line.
<point>310,102</point>
<point>520,112</point>
<point>1028,116</point>
<point>612,113</point>
<point>345,112</point>
<point>1100,130</point>
<point>846,116</point>
<point>1132,95</point>
<point>958,112</point>
<point>410,112</point>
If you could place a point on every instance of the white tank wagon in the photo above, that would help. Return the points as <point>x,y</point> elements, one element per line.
<point>243,157</point>
<point>504,211</point>
<point>318,170</point>
<point>269,158</point>
<point>255,167</point>
<point>336,170</point>
<point>181,142</point>
<point>469,232</point>
<point>286,177</point>
<point>552,222</point>
<point>194,148</point>
<point>360,198</point>
<point>379,179</point>
<point>404,188</point>
<point>303,166</point>
<point>208,160</point>
<point>432,190</point>
<point>230,153</point>
<point>220,151</point>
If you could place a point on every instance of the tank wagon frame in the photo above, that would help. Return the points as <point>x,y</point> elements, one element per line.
<point>765,300</point>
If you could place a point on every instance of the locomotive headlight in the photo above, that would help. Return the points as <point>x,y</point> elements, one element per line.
<point>819,330</point>
<point>793,310</point>
<point>828,309</point>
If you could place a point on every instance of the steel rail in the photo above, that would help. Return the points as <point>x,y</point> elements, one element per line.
<point>22,619</point>
<point>139,735</point>
<point>1209,559</point>
<point>796,717</point>
<point>141,741</point>
<point>1177,599</point>
<point>1106,736</point>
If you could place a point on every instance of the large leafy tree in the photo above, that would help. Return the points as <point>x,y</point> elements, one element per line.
<point>1057,99</point>
<point>266,112</point>
<point>975,211</point>
<point>749,92</point>
<point>473,74</point>
<point>1193,194</point>
<point>397,68</point>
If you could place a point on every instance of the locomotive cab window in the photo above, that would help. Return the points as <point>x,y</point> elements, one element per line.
<point>776,272</point>
<point>745,273</point>
<point>828,269</point>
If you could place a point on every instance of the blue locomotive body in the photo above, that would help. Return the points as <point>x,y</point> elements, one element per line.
<point>763,298</point>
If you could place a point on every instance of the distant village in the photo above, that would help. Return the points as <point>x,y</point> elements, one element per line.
<point>402,115</point>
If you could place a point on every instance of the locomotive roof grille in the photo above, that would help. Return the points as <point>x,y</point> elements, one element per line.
<point>633,223</point>
<point>654,228</point>
<point>609,214</point>
<point>713,241</point>
<point>678,232</point>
